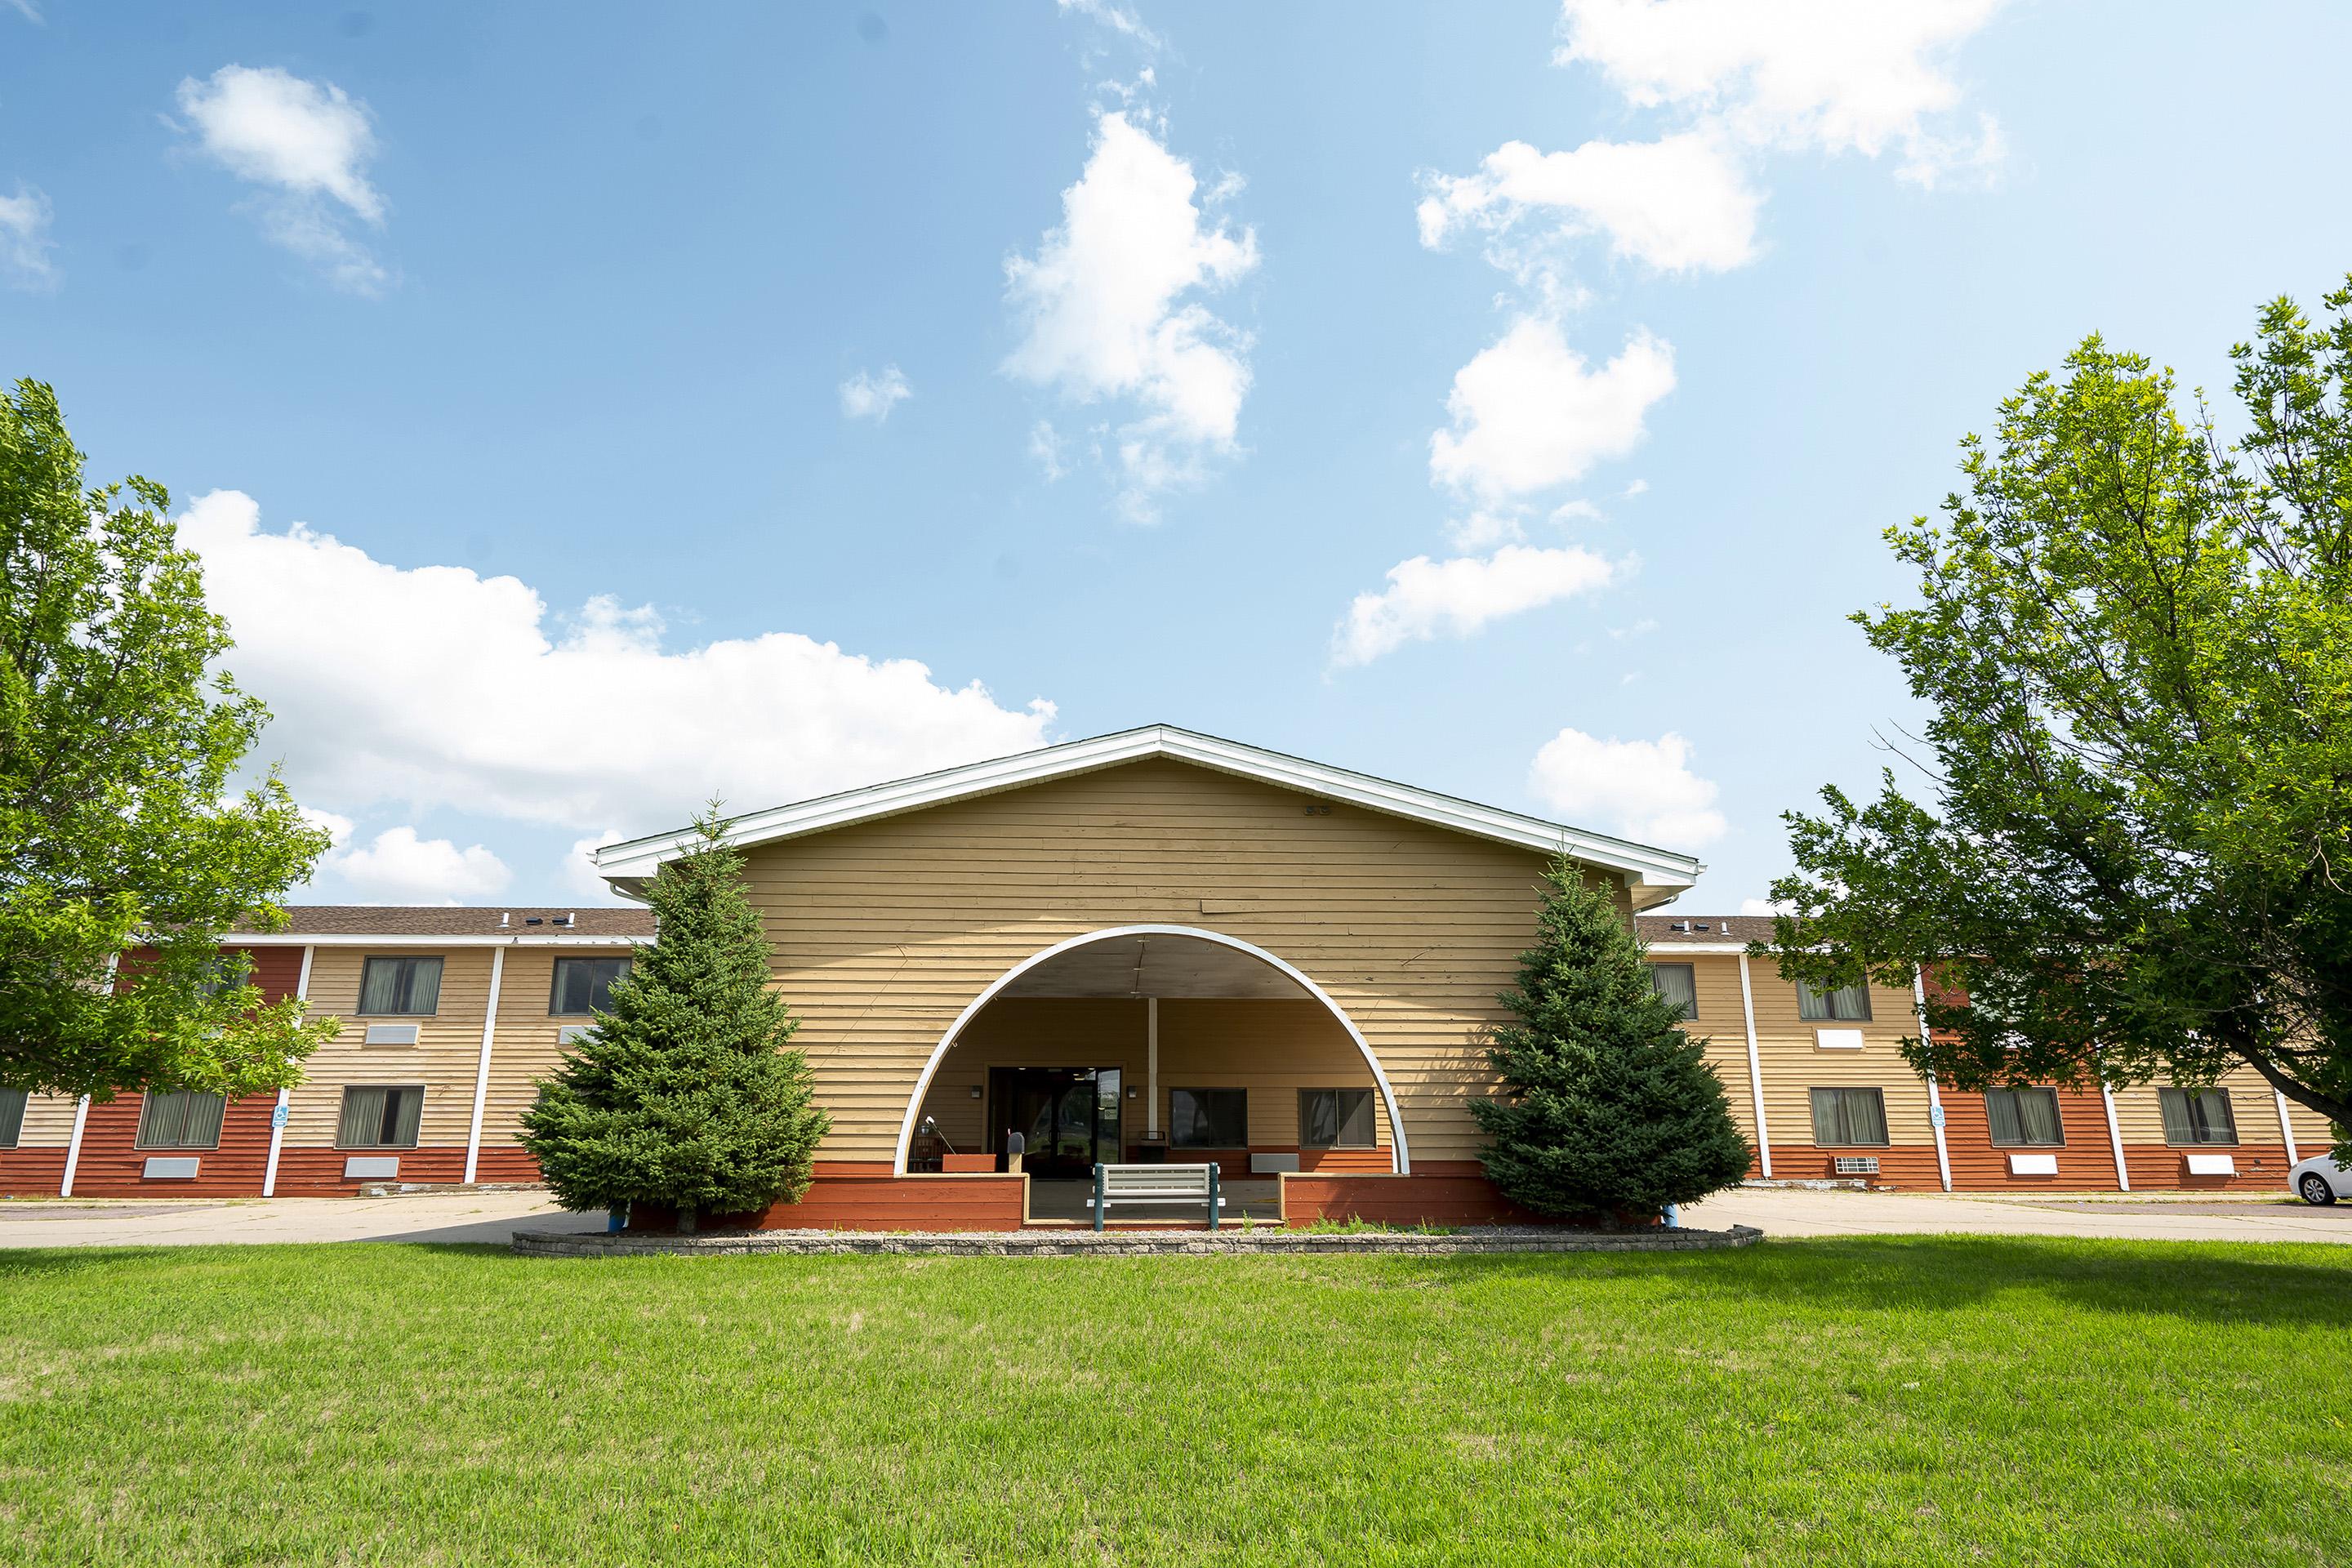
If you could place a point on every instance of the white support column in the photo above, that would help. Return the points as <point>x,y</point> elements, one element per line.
<point>285,1096</point>
<point>2116,1137</point>
<point>73,1146</point>
<point>482,1069</point>
<point>1935,1095</point>
<point>1755,1070</point>
<point>2286,1128</point>
<point>1151,1066</point>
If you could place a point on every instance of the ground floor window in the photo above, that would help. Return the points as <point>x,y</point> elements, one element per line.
<point>1336,1118</point>
<point>1678,983</point>
<point>376,1117</point>
<point>1208,1118</point>
<point>184,1120</point>
<point>12,1117</point>
<point>2027,1117</point>
<point>2197,1116</point>
<point>1849,1118</point>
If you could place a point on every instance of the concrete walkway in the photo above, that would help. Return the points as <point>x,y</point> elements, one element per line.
<point>1787,1212</point>
<point>495,1217</point>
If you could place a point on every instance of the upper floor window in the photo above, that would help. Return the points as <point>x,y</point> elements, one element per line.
<point>585,985</point>
<point>182,1121</point>
<point>403,985</point>
<point>1336,1118</point>
<point>2027,1117</point>
<point>1846,1005</point>
<point>1678,983</point>
<point>2197,1116</point>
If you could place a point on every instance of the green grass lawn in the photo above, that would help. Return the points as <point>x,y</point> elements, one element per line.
<point>1858,1401</point>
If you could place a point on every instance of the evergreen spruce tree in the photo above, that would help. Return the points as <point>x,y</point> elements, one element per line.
<point>1608,1108</point>
<point>685,1094</point>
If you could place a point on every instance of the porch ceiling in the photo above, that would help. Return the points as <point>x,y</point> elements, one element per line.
<point>1155,965</point>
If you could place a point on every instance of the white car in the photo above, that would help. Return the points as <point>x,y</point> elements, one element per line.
<point>2320,1180</point>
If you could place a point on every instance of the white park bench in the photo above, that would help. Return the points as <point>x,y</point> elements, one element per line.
<point>1155,1185</point>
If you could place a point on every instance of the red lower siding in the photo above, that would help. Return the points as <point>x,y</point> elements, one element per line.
<point>2086,1162</point>
<point>1911,1166</point>
<point>1438,1192</point>
<point>861,1194</point>
<point>508,1164</point>
<point>319,1172</point>
<point>32,1173</point>
<point>2156,1167</point>
<point>112,1166</point>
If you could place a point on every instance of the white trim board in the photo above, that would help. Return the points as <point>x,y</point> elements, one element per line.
<point>1651,874</point>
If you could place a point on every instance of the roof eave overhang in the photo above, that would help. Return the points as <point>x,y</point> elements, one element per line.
<point>1652,876</point>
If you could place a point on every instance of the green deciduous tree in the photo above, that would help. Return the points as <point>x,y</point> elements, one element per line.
<point>1608,1107</point>
<point>685,1095</point>
<point>2135,641</point>
<point>118,739</point>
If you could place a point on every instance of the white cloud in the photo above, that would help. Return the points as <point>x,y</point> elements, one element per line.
<point>869,397</point>
<point>1679,204</point>
<point>306,146</point>
<point>1104,311</point>
<point>432,687</point>
<point>398,867</point>
<point>339,829</point>
<point>27,9</point>
<point>1045,448</point>
<point>1456,597</point>
<point>24,243</point>
<point>1831,75</point>
<point>1762,907</point>
<point>1117,18</point>
<point>577,871</point>
<point>1528,414</point>
<point>1642,789</point>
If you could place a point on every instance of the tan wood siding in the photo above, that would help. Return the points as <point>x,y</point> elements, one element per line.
<point>49,1121</point>
<point>443,1060</point>
<point>884,931</point>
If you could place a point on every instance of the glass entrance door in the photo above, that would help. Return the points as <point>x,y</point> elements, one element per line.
<point>1067,1116</point>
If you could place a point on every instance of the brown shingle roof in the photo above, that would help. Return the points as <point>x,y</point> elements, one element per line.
<point>445,920</point>
<point>1659,930</point>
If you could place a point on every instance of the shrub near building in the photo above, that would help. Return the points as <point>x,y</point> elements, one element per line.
<point>686,1095</point>
<point>1607,1111</point>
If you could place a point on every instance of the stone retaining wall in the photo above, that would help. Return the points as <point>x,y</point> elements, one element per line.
<point>1128,1243</point>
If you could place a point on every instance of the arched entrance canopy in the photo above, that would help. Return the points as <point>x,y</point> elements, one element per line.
<point>1011,981</point>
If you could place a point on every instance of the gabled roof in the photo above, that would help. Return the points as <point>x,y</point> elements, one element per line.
<point>1652,875</point>
<point>476,925</point>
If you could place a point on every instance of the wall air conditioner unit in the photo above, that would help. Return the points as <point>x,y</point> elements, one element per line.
<point>372,1167</point>
<point>1837,1039</point>
<point>391,1035</point>
<point>2034,1164</point>
<point>2211,1166</point>
<point>1855,1165</point>
<point>573,1033</point>
<point>170,1168</point>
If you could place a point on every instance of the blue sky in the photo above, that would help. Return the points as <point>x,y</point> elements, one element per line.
<point>573,340</point>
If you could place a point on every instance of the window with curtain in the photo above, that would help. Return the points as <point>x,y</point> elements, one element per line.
<point>1849,1118</point>
<point>1846,1005</point>
<point>398,986</point>
<point>12,1117</point>
<point>2024,1118</point>
<point>1208,1118</point>
<point>1336,1118</point>
<point>376,1117</point>
<point>183,1120</point>
<point>2197,1116</point>
<point>1678,983</point>
<point>585,985</point>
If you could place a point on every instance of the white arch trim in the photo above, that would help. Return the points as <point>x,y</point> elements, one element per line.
<point>1401,1158</point>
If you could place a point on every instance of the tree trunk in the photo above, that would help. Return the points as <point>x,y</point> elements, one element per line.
<point>686,1219</point>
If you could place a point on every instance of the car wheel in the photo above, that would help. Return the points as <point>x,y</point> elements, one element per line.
<point>2315,1190</point>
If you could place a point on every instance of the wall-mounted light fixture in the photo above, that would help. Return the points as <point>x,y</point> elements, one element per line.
<point>975,1091</point>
